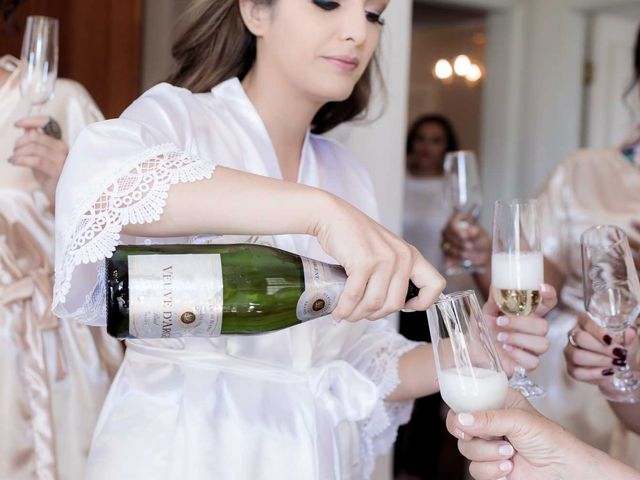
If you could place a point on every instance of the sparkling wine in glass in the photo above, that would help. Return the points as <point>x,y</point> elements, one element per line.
<point>517,270</point>
<point>612,298</point>
<point>464,195</point>
<point>469,370</point>
<point>39,61</point>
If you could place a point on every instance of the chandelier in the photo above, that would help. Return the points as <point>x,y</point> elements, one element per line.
<point>460,67</point>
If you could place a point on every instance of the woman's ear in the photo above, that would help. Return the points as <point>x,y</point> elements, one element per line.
<point>255,14</point>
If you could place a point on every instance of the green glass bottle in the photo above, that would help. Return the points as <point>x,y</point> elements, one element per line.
<point>168,291</point>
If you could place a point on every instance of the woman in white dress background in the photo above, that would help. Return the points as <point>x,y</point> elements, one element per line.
<point>237,156</point>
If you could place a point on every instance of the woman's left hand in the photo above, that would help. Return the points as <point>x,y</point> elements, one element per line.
<point>521,340</point>
<point>43,154</point>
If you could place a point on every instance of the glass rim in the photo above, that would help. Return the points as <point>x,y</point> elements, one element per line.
<point>455,296</point>
<point>590,230</point>
<point>42,17</point>
<point>516,202</point>
<point>460,152</point>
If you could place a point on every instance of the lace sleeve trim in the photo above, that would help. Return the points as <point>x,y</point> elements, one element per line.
<point>135,197</point>
<point>379,431</point>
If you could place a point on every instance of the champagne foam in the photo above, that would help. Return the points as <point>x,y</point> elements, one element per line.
<point>517,271</point>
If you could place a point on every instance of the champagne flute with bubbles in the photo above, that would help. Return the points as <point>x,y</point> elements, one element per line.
<point>612,298</point>
<point>39,61</point>
<point>517,270</point>
<point>469,370</point>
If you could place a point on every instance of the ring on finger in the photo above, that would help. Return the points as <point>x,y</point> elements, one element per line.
<point>572,338</point>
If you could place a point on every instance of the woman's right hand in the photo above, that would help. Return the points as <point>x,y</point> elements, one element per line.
<point>472,243</point>
<point>592,353</point>
<point>379,265</point>
<point>528,446</point>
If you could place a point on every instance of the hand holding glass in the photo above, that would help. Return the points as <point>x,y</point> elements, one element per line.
<point>464,195</point>
<point>612,298</point>
<point>517,270</point>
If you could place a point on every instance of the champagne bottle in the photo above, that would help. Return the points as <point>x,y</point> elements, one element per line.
<point>168,291</point>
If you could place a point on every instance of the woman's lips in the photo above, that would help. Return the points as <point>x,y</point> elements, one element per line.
<point>343,62</point>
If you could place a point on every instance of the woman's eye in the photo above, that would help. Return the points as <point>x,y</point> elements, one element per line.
<point>374,18</point>
<point>326,5</point>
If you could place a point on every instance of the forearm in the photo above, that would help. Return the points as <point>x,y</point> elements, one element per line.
<point>236,202</point>
<point>629,415</point>
<point>417,371</point>
<point>593,464</point>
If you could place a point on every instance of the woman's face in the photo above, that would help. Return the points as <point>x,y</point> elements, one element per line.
<point>320,47</point>
<point>430,146</point>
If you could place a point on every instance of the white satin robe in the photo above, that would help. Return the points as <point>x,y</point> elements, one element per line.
<point>54,375</point>
<point>302,403</point>
<point>588,188</point>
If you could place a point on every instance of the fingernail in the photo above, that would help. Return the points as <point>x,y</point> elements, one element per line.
<point>607,372</point>
<point>505,466</point>
<point>458,433</point>
<point>466,419</point>
<point>337,319</point>
<point>618,362</point>
<point>546,288</point>
<point>506,450</point>
<point>502,337</point>
<point>407,310</point>
<point>607,339</point>
<point>502,321</point>
<point>621,353</point>
<point>507,347</point>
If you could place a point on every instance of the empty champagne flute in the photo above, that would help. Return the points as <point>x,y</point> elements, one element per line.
<point>612,298</point>
<point>464,195</point>
<point>469,370</point>
<point>39,61</point>
<point>517,270</point>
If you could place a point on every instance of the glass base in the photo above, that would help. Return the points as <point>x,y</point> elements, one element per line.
<point>523,384</point>
<point>619,391</point>
<point>464,268</point>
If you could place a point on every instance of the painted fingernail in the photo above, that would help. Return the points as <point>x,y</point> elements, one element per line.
<point>621,353</point>
<point>507,347</point>
<point>505,450</point>
<point>618,362</point>
<point>503,336</point>
<point>607,372</point>
<point>607,339</point>
<point>458,433</point>
<point>502,321</point>
<point>505,466</point>
<point>466,419</point>
<point>546,288</point>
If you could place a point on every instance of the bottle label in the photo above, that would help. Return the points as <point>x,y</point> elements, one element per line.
<point>323,284</point>
<point>175,295</point>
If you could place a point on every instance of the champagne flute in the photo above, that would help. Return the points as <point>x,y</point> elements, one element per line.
<point>469,370</point>
<point>39,61</point>
<point>464,195</point>
<point>517,270</point>
<point>612,298</point>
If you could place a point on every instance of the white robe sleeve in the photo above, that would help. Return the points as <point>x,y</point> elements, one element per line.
<point>117,173</point>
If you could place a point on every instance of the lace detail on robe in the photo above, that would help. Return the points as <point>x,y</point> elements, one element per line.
<point>135,193</point>
<point>378,432</point>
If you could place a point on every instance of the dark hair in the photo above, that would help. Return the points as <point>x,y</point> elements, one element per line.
<point>217,46</point>
<point>452,140</point>
<point>636,65</point>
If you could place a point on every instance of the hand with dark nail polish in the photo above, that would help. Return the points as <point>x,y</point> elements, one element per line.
<point>607,372</point>
<point>618,362</point>
<point>607,339</point>
<point>621,353</point>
